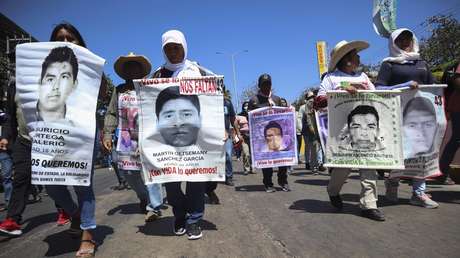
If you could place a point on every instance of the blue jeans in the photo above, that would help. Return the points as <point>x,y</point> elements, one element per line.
<point>228,158</point>
<point>418,186</point>
<point>150,192</point>
<point>7,169</point>
<point>86,203</point>
<point>452,146</point>
<point>155,196</point>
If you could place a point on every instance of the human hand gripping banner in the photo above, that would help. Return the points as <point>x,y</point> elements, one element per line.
<point>424,126</point>
<point>128,133</point>
<point>273,137</point>
<point>364,130</point>
<point>57,85</point>
<point>181,129</point>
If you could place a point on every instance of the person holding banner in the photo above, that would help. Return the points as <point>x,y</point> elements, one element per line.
<point>188,208</point>
<point>242,123</point>
<point>83,216</point>
<point>265,98</point>
<point>122,104</point>
<point>404,67</point>
<point>343,75</point>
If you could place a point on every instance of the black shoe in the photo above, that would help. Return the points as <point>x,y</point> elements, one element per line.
<point>229,182</point>
<point>336,201</point>
<point>153,215</point>
<point>307,166</point>
<point>119,187</point>
<point>322,168</point>
<point>285,188</point>
<point>373,214</point>
<point>179,227</point>
<point>213,199</point>
<point>194,231</point>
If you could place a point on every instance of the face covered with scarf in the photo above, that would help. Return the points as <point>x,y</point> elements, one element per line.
<point>403,46</point>
<point>174,50</point>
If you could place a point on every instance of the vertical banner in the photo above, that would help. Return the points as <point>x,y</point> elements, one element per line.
<point>57,85</point>
<point>321,122</point>
<point>128,132</point>
<point>181,129</point>
<point>384,17</point>
<point>364,130</point>
<point>321,52</point>
<point>273,137</point>
<point>424,125</point>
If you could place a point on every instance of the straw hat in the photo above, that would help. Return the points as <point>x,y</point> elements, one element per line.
<point>131,57</point>
<point>342,48</point>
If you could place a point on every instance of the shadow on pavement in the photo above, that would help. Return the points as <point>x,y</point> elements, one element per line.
<point>39,220</point>
<point>317,206</point>
<point>164,227</point>
<point>250,188</point>
<point>320,182</point>
<point>446,196</point>
<point>129,208</point>
<point>62,242</point>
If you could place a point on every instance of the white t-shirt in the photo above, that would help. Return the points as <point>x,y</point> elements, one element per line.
<point>332,81</point>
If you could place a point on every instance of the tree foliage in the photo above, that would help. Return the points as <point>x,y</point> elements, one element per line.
<point>442,46</point>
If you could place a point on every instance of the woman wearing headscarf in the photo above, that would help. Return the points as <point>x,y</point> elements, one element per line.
<point>188,208</point>
<point>343,75</point>
<point>403,68</point>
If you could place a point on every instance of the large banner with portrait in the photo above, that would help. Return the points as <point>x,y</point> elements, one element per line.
<point>364,130</point>
<point>273,137</point>
<point>424,125</point>
<point>181,129</point>
<point>57,85</point>
<point>128,132</point>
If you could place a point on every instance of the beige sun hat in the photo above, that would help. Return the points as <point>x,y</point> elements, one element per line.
<point>342,48</point>
<point>131,57</point>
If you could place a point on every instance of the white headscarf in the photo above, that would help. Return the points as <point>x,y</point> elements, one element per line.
<point>184,68</point>
<point>398,55</point>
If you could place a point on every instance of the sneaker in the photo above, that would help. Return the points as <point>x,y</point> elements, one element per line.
<point>152,215</point>
<point>213,199</point>
<point>336,201</point>
<point>194,231</point>
<point>373,214</point>
<point>179,227</point>
<point>424,201</point>
<point>10,227</point>
<point>270,189</point>
<point>391,192</point>
<point>315,172</point>
<point>119,187</point>
<point>245,173</point>
<point>285,188</point>
<point>63,218</point>
<point>322,168</point>
<point>445,180</point>
<point>229,181</point>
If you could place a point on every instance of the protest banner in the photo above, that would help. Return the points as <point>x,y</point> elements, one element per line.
<point>57,86</point>
<point>181,129</point>
<point>273,137</point>
<point>128,132</point>
<point>424,125</point>
<point>321,122</point>
<point>384,17</point>
<point>364,130</point>
<point>321,53</point>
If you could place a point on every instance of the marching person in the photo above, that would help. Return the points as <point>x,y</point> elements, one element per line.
<point>265,98</point>
<point>188,208</point>
<point>310,135</point>
<point>343,74</point>
<point>242,123</point>
<point>82,216</point>
<point>404,65</point>
<point>131,67</point>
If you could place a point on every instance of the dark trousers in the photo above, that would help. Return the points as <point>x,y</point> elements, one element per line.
<point>191,203</point>
<point>21,179</point>
<point>282,176</point>
<point>452,146</point>
<point>211,186</point>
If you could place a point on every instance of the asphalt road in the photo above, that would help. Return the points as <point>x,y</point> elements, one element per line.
<point>252,223</point>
